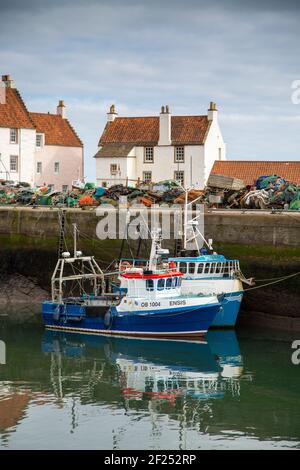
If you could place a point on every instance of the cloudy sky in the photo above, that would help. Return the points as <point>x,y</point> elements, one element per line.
<point>244,55</point>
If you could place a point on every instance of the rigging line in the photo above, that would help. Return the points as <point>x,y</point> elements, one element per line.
<point>82,234</point>
<point>274,282</point>
<point>275,278</point>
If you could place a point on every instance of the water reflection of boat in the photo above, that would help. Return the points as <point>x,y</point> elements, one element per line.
<point>158,369</point>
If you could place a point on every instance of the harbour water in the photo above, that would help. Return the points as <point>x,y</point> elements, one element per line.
<point>234,390</point>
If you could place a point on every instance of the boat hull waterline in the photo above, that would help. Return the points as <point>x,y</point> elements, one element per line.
<point>176,322</point>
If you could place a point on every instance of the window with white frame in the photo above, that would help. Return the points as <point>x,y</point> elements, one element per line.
<point>179,177</point>
<point>149,155</point>
<point>13,136</point>
<point>13,163</point>
<point>147,176</point>
<point>39,140</point>
<point>56,168</point>
<point>65,188</point>
<point>113,169</point>
<point>51,186</point>
<point>220,153</point>
<point>179,154</point>
<point>39,168</point>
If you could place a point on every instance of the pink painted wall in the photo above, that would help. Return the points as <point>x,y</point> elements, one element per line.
<point>70,165</point>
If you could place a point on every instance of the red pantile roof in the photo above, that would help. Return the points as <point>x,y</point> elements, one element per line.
<point>249,171</point>
<point>58,131</point>
<point>13,113</point>
<point>141,130</point>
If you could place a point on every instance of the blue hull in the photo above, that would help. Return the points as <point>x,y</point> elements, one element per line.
<point>230,307</point>
<point>187,321</point>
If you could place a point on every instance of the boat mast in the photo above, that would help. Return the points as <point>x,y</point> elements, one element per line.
<point>75,239</point>
<point>192,224</point>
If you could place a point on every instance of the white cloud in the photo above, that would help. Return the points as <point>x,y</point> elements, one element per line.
<point>140,55</point>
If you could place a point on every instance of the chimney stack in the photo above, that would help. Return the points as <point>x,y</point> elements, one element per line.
<point>164,126</point>
<point>8,82</point>
<point>2,94</point>
<point>111,116</point>
<point>212,112</point>
<point>61,109</point>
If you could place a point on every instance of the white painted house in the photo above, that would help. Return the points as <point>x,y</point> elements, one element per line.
<point>147,149</point>
<point>37,148</point>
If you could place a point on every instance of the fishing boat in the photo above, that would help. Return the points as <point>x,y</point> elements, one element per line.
<point>153,305</point>
<point>204,271</point>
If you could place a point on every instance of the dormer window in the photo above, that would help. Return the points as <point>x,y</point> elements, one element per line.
<point>39,140</point>
<point>13,136</point>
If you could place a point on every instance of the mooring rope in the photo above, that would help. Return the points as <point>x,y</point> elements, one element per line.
<point>274,282</point>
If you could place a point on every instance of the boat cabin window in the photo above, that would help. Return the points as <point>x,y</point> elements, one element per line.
<point>219,268</point>
<point>182,267</point>
<point>149,284</point>
<point>200,268</point>
<point>207,268</point>
<point>192,268</point>
<point>212,268</point>
<point>161,284</point>
<point>174,282</point>
<point>169,283</point>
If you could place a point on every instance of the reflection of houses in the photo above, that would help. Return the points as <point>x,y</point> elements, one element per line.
<point>12,408</point>
<point>156,148</point>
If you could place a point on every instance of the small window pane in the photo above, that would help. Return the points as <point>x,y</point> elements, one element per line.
<point>56,167</point>
<point>192,268</point>
<point>13,136</point>
<point>161,284</point>
<point>169,283</point>
<point>200,268</point>
<point>39,167</point>
<point>147,176</point>
<point>149,154</point>
<point>149,284</point>
<point>14,163</point>
<point>113,169</point>
<point>39,140</point>
<point>182,267</point>
<point>179,177</point>
<point>179,154</point>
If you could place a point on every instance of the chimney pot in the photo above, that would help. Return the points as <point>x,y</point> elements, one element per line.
<point>162,111</point>
<point>6,79</point>
<point>167,109</point>
<point>61,109</point>
<point>111,115</point>
<point>212,112</point>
